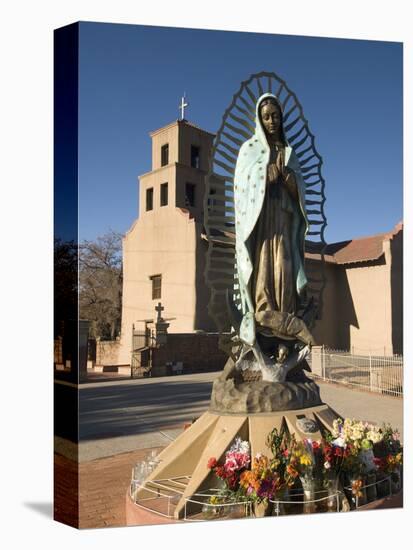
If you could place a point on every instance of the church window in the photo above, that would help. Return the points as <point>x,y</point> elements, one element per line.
<point>195,157</point>
<point>164,194</point>
<point>189,194</point>
<point>156,286</point>
<point>165,155</point>
<point>149,199</point>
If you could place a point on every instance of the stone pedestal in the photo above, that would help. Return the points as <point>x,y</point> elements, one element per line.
<point>212,434</point>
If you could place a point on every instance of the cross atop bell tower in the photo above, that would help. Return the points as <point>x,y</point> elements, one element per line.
<point>182,106</point>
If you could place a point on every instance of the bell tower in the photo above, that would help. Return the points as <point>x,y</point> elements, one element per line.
<point>164,252</point>
<point>180,156</point>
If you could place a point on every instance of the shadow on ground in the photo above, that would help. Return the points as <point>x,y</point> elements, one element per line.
<point>42,508</point>
<point>131,409</point>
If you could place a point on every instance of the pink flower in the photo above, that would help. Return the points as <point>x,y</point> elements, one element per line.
<point>235,460</point>
<point>231,464</point>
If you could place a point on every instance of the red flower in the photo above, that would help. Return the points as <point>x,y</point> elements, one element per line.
<point>380,463</point>
<point>328,453</point>
<point>316,445</point>
<point>220,472</point>
<point>212,462</point>
<point>232,481</point>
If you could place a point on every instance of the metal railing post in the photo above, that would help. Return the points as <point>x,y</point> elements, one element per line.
<point>371,373</point>
<point>323,362</point>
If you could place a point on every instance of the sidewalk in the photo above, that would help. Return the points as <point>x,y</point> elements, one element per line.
<point>102,488</point>
<point>104,447</point>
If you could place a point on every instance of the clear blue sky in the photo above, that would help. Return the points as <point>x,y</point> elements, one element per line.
<point>132,79</point>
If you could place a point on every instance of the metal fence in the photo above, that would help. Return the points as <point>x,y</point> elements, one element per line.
<point>140,339</point>
<point>375,373</point>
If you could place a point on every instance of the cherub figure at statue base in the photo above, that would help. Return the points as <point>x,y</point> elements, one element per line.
<point>272,368</point>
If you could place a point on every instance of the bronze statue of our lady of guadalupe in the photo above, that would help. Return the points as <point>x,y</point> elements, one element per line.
<point>270,228</point>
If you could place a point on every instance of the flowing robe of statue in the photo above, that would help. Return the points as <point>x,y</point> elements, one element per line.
<point>271,224</point>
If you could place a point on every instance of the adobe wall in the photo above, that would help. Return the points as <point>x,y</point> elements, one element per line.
<point>160,242</point>
<point>325,328</point>
<point>357,307</point>
<point>107,353</point>
<point>202,319</point>
<point>370,289</point>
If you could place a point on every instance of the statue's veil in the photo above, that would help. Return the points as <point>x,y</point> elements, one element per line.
<point>238,125</point>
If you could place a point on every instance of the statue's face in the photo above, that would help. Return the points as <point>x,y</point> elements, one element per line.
<point>282,353</point>
<point>271,118</point>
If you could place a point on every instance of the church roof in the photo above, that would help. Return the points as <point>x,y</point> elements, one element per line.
<point>357,250</point>
<point>363,249</point>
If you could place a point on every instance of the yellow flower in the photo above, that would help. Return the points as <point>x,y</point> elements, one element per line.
<point>305,460</point>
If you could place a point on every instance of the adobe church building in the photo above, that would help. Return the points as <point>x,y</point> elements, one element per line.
<point>163,252</point>
<point>363,297</point>
<point>164,255</point>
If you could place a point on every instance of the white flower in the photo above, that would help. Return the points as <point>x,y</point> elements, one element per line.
<point>337,423</point>
<point>375,436</point>
<point>356,434</point>
<point>340,442</point>
<point>327,465</point>
<point>240,446</point>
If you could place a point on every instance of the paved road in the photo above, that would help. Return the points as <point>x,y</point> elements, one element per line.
<point>121,416</point>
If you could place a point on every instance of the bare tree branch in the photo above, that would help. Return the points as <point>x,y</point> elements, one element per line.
<point>100,284</point>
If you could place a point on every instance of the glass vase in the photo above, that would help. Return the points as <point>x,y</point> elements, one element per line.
<point>383,484</point>
<point>395,480</point>
<point>237,511</point>
<point>371,488</point>
<point>211,511</point>
<point>134,487</point>
<point>140,472</point>
<point>309,488</point>
<point>367,459</point>
<point>333,493</point>
<point>280,503</point>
